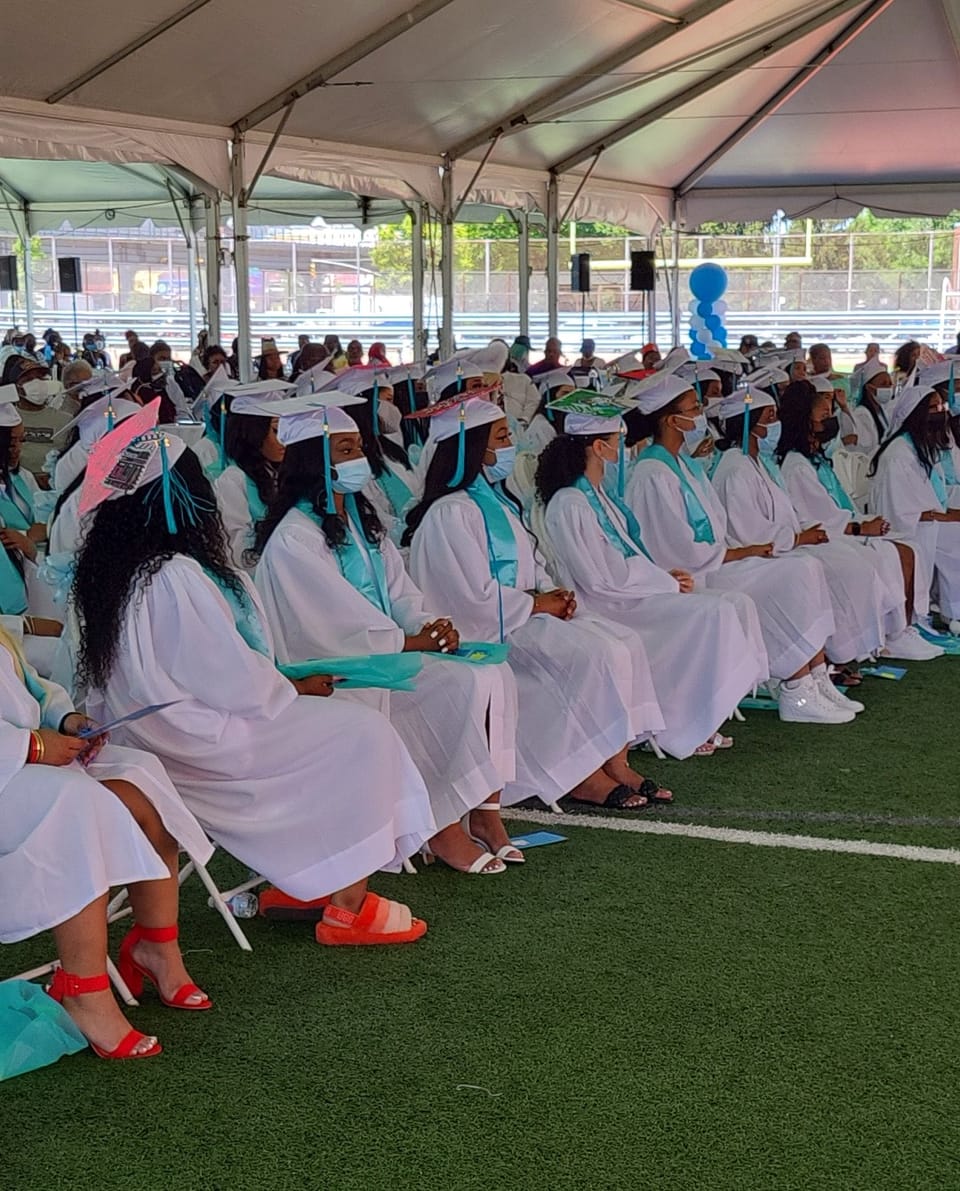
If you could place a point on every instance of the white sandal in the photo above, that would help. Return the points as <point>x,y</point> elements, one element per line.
<point>485,865</point>
<point>509,852</point>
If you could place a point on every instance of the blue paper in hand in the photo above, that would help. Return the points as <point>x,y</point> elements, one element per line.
<point>99,729</point>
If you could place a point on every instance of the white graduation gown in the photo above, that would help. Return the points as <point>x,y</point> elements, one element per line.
<point>230,488</point>
<point>585,688</point>
<point>537,435</point>
<point>521,397</point>
<point>314,794</point>
<point>314,612</point>
<point>790,593</point>
<point>868,441</point>
<point>70,464</point>
<point>65,839</point>
<point>759,510</point>
<point>900,492</point>
<point>393,523</point>
<point>701,660</point>
<point>813,503</point>
<point>207,451</point>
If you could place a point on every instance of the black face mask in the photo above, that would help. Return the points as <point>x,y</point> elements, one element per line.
<point>938,421</point>
<point>829,430</point>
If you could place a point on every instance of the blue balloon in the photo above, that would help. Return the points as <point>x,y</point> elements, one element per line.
<point>714,324</point>
<point>708,282</point>
<point>704,309</point>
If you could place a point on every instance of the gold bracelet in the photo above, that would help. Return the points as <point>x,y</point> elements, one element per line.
<point>40,748</point>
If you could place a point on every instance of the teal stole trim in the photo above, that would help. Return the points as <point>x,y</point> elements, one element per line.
<point>245,616</point>
<point>772,468</point>
<point>946,462</point>
<point>361,565</point>
<point>395,490</point>
<point>258,510</point>
<point>828,478</point>
<point>16,505</point>
<point>502,550</point>
<point>697,517</point>
<point>936,477</point>
<point>629,550</point>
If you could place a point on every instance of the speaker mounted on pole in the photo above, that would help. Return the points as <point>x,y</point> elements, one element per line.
<point>643,271</point>
<point>9,278</point>
<point>580,273</point>
<point>70,276</point>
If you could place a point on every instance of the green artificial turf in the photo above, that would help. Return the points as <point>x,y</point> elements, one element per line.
<point>628,1010</point>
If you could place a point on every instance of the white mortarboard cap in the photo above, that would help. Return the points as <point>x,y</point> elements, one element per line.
<point>822,383</point>
<point>9,414</point>
<point>587,424</point>
<point>727,360</point>
<point>477,411</point>
<point>768,376</point>
<point>444,375</point>
<point>94,422</point>
<point>314,378</point>
<point>554,380</point>
<point>674,359</point>
<point>261,388</point>
<point>736,403</point>
<point>873,367</point>
<point>631,362</point>
<point>278,407</point>
<point>939,374</point>
<point>492,358</point>
<point>906,403</point>
<point>314,423</point>
<point>404,372</point>
<point>654,392</point>
<point>359,380</point>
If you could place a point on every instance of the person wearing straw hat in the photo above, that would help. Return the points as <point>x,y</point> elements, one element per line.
<point>702,661</point>
<point>684,525</point>
<point>165,620</point>
<point>584,695</point>
<point>269,364</point>
<point>758,507</point>
<point>909,489</point>
<point>333,584</point>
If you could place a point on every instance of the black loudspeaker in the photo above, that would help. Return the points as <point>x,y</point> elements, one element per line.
<point>8,274</point>
<point>69,269</point>
<point>643,273</point>
<point>580,273</point>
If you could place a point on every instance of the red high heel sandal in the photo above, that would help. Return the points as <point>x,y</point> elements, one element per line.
<point>65,984</point>
<point>134,973</point>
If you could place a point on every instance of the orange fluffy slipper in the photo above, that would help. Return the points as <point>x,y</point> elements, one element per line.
<point>378,921</point>
<point>281,907</point>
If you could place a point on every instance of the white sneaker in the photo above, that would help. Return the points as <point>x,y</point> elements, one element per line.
<point>832,695</point>
<point>801,702</point>
<point>909,646</point>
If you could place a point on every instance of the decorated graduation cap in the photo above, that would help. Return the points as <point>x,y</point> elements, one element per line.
<point>453,418</point>
<point>452,375</point>
<point>139,456</point>
<point>906,403</point>
<point>9,414</point>
<point>316,415</point>
<point>594,414</point>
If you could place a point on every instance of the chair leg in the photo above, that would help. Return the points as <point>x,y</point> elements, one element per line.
<point>216,900</point>
<point>120,985</point>
<point>658,751</point>
<point>739,716</point>
<point>408,867</point>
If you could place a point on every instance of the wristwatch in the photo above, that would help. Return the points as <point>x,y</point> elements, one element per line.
<point>856,528</point>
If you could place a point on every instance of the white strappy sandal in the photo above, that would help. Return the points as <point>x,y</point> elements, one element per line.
<point>509,853</point>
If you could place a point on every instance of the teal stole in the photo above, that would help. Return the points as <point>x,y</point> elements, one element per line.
<point>936,477</point>
<point>697,517</point>
<point>828,478</point>
<point>629,550</point>
<point>395,490</point>
<point>361,565</point>
<point>245,615</point>
<point>258,510</point>
<point>502,550</point>
<point>946,462</point>
<point>19,515</point>
<point>771,467</point>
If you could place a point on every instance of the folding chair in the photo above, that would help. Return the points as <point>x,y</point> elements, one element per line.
<point>116,979</point>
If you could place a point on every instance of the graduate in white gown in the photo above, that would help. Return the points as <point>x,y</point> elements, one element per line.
<point>584,694</point>
<point>819,498</point>
<point>334,585</point>
<point>684,525</point>
<point>759,508</point>
<point>77,816</point>
<point>870,416</point>
<point>165,619</point>
<point>249,482</point>
<point>546,423</point>
<point>909,489</point>
<point>701,659</point>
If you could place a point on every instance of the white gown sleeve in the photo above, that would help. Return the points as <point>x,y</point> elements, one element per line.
<point>742,491</point>
<point>230,488</point>
<point>406,599</point>
<point>655,499</point>
<point>900,491</point>
<point>810,499</point>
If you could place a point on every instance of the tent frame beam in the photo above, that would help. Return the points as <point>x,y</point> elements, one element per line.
<point>519,118</point>
<point>388,32</point>
<point>631,127</point>
<point>803,76</point>
<point>124,52</point>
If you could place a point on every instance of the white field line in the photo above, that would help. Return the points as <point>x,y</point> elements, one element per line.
<point>732,835</point>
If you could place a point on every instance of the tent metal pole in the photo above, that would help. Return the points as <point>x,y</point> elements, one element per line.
<point>675,288</point>
<point>446,262</point>
<point>211,210</point>
<point>191,282</point>
<point>651,297</point>
<point>241,259</point>
<point>417,220</point>
<point>523,269</point>
<point>28,267</point>
<point>553,255</point>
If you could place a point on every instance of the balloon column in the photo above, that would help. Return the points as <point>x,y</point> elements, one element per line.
<point>708,283</point>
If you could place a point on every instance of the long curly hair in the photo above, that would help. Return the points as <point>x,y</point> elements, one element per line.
<point>243,442</point>
<point>124,547</point>
<point>562,462</point>
<point>301,478</point>
<point>925,434</point>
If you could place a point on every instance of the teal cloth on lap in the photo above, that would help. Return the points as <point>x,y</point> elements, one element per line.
<point>387,671</point>
<point>34,1030</point>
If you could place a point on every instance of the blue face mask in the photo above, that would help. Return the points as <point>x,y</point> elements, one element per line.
<point>352,476</point>
<point>506,457</point>
<point>769,444</point>
<point>693,438</point>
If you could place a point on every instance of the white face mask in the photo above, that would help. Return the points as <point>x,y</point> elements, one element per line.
<point>166,366</point>
<point>353,475</point>
<point>884,396</point>
<point>40,392</point>
<point>694,437</point>
<point>390,417</point>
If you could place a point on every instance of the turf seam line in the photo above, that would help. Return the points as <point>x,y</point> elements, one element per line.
<point>855,818</point>
<point>733,835</point>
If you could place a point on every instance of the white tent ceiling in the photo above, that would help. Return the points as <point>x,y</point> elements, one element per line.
<point>699,108</point>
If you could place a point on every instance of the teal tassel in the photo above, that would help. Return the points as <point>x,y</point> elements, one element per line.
<point>222,434</point>
<point>952,390</point>
<point>696,385</point>
<point>746,426</point>
<point>622,465</point>
<point>457,477</point>
<point>327,469</point>
<point>167,494</point>
<point>376,408</point>
<point>111,419</point>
